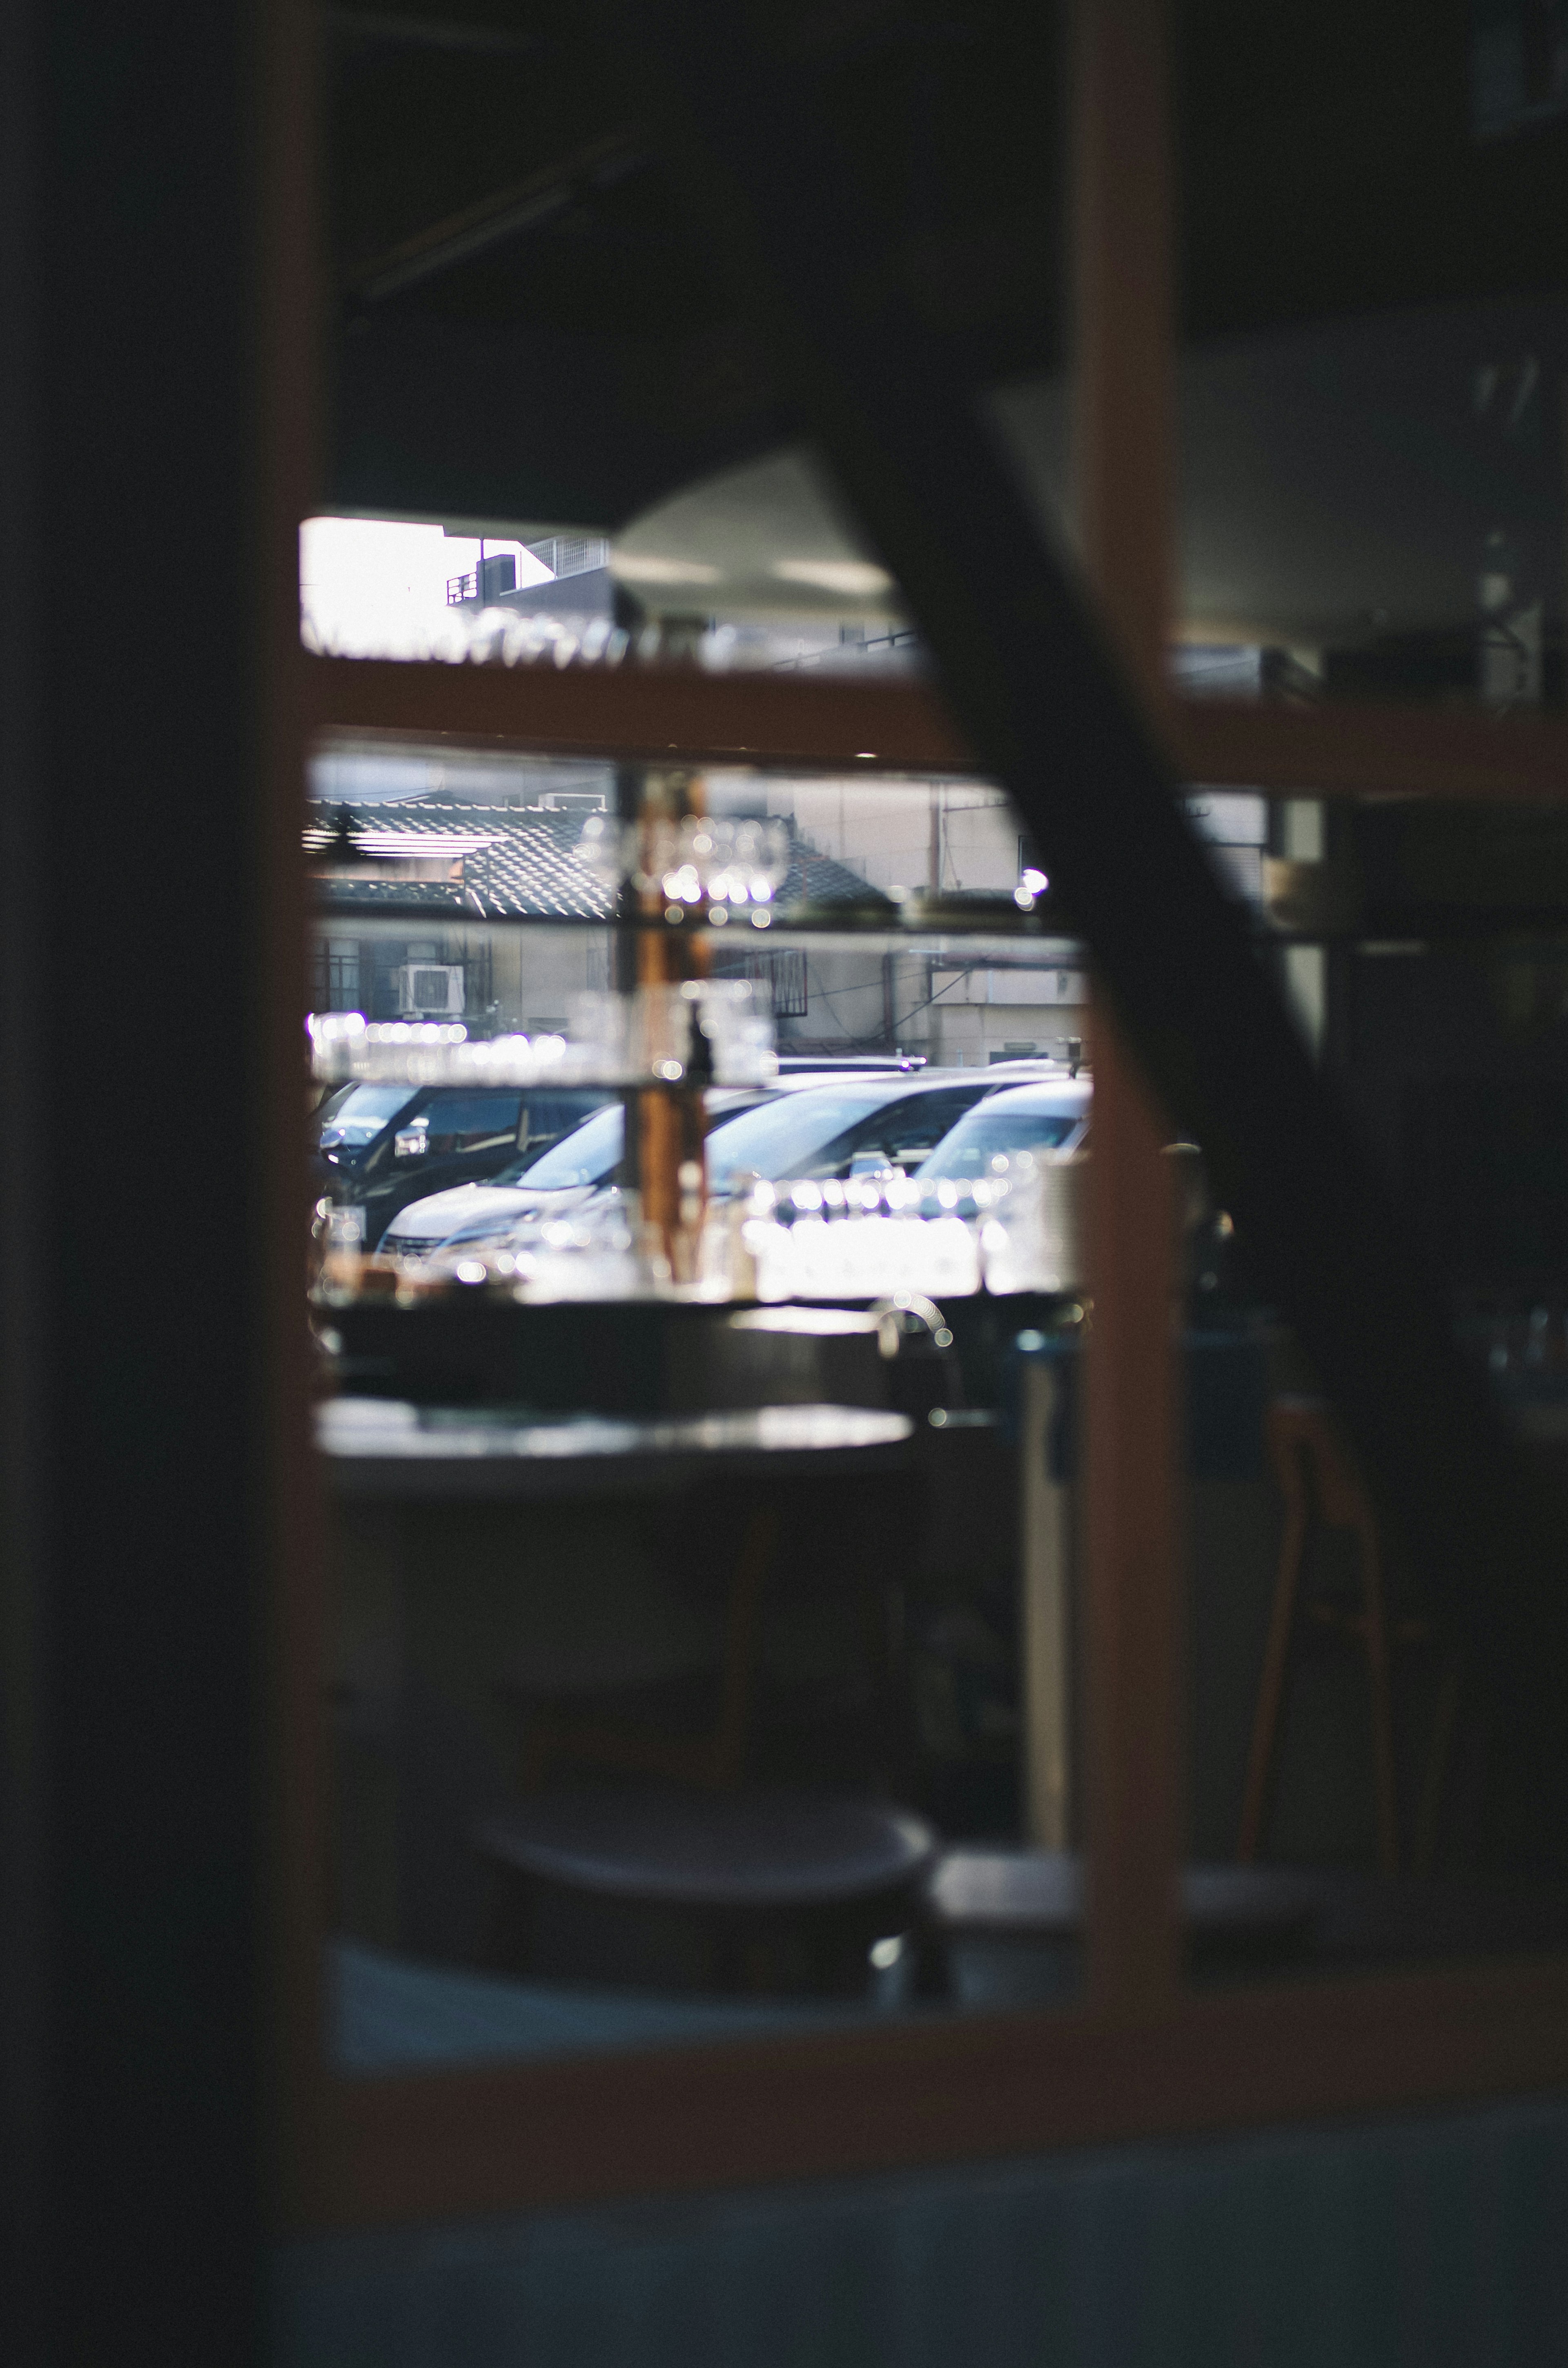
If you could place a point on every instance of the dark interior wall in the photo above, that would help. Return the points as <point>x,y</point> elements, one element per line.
<point>1330,164</point>
<point>513,420</point>
<point>1449,1028</point>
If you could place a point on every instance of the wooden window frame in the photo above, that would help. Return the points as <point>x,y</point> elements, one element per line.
<point>829,726</point>
<point>1140,2056</point>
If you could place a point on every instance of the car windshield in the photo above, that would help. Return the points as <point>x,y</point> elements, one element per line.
<point>589,1154</point>
<point>467,1122</point>
<point>993,1132</point>
<point>592,1153</point>
<point>548,1118</point>
<point>359,1117</point>
<point>784,1137</point>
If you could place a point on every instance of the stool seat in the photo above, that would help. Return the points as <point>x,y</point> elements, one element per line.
<point>1040,1894</point>
<point>693,1850</point>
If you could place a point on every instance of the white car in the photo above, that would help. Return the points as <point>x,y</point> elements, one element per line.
<point>1044,1117</point>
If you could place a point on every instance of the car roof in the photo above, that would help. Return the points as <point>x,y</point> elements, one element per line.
<point>1034,1068</point>
<point>853,1064</point>
<point>874,1085</point>
<point>467,1088</point>
<point>1056,1093</point>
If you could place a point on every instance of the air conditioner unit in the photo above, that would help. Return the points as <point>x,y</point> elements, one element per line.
<point>429,990</point>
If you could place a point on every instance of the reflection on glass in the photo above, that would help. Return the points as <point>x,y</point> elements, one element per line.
<point>1350,1744</point>
<point>1374,508</point>
<point>1370,391</point>
<point>678,1606</point>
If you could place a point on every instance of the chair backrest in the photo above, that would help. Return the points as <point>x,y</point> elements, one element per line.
<point>1314,1466</point>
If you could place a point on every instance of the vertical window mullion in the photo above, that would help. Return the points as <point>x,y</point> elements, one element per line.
<point>1122,238</point>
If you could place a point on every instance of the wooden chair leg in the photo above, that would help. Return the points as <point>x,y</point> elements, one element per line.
<point>1382,1708</point>
<point>1271,1684</point>
<point>887,1649</point>
<point>1445,1719</point>
<point>741,1636</point>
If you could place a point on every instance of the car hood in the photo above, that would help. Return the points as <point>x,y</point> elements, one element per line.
<point>474,1211</point>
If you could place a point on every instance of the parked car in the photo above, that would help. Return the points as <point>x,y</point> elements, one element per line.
<point>804,1126</point>
<point>845,1125</point>
<point>566,1175</point>
<point>378,1147</point>
<point>1045,1117</point>
<point>823,1065</point>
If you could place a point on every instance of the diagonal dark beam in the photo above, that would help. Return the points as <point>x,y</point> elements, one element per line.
<point>1039,694</point>
<point>503,214</point>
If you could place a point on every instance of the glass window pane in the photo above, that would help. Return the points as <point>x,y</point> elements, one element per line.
<point>1357,1763</point>
<point>557,441</point>
<point>750,1538</point>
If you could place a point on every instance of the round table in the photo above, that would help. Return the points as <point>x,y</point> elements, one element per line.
<point>384,1448</point>
<point>426,1621</point>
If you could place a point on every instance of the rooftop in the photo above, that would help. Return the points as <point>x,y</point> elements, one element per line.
<point>512,863</point>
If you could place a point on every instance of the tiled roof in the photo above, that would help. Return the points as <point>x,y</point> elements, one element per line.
<point>814,879</point>
<point>523,864</point>
<point>528,866</point>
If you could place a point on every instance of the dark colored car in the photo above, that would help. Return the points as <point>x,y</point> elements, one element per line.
<point>378,1148</point>
<point>552,1182</point>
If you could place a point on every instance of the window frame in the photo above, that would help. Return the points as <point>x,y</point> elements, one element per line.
<point>1139,2056</point>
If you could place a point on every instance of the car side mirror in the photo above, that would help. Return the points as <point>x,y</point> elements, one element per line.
<point>411,1143</point>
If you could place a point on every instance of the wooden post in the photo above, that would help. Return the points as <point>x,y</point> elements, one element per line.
<point>1132,1787</point>
<point>1046,1546</point>
<point>670,1120</point>
<point>1122,238</point>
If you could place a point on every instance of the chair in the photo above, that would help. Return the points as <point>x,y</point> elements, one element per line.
<point>844,1536</point>
<point>631,1744</point>
<point>1321,1490</point>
